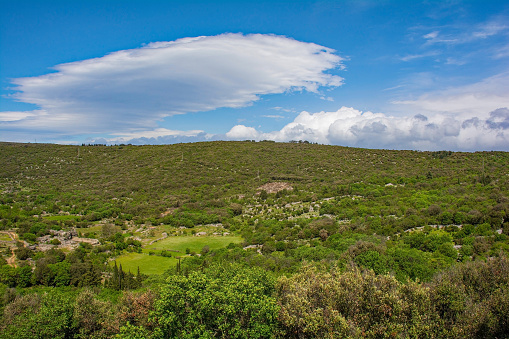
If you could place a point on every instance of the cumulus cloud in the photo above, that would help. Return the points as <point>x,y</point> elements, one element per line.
<point>239,132</point>
<point>468,118</point>
<point>351,127</point>
<point>137,88</point>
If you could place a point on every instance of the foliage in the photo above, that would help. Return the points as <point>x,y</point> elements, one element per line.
<point>366,243</point>
<point>354,304</point>
<point>121,280</point>
<point>39,316</point>
<point>233,302</point>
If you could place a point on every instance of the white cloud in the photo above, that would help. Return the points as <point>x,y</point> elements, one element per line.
<point>157,136</point>
<point>471,117</point>
<point>460,43</point>
<point>15,116</point>
<point>273,116</point>
<point>241,132</point>
<point>476,99</point>
<point>411,57</point>
<point>501,52</point>
<point>139,87</point>
<point>158,132</point>
<point>351,127</point>
<point>287,110</point>
<point>490,28</point>
<point>455,61</point>
<point>431,35</point>
<point>463,34</point>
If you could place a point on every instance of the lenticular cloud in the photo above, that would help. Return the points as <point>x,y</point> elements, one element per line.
<point>136,88</point>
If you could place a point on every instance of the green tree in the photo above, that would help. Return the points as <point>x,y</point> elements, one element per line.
<point>24,276</point>
<point>264,195</point>
<point>129,331</point>
<point>373,260</point>
<point>60,273</point>
<point>354,304</point>
<point>411,263</point>
<point>90,315</point>
<point>8,275</point>
<point>23,253</point>
<point>221,302</point>
<point>49,315</point>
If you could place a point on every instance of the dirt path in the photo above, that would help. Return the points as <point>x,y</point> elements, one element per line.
<point>11,261</point>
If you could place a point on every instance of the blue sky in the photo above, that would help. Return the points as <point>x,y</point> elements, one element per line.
<point>427,75</point>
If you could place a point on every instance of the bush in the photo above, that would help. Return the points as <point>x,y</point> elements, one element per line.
<point>23,253</point>
<point>55,242</point>
<point>222,302</point>
<point>166,254</point>
<point>354,304</point>
<point>473,298</point>
<point>30,237</point>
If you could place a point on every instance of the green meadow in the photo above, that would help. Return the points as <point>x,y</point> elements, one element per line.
<point>156,264</point>
<point>62,217</point>
<point>5,237</point>
<point>195,244</point>
<point>148,264</point>
<point>86,230</point>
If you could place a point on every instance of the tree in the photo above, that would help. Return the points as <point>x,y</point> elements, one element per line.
<point>353,304</point>
<point>24,276</point>
<point>49,315</point>
<point>411,263</point>
<point>264,195</point>
<point>121,280</point>
<point>205,249</point>
<point>60,273</point>
<point>129,331</point>
<point>373,260</point>
<point>23,253</point>
<point>221,302</point>
<point>90,315</point>
<point>85,274</point>
<point>43,275</point>
<point>236,209</point>
<point>8,275</point>
<point>324,234</point>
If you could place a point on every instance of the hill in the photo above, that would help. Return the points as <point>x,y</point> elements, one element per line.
<point>282,216</point>
<point>145,181</point>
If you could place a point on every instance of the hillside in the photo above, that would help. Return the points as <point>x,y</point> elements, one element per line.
<point>146,180</point>
<point>276,215</point>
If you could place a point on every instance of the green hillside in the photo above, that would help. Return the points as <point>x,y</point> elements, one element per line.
<point>144,181</point>
<point>232,227</point>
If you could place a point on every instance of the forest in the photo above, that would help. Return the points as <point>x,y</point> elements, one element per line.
<point>252,240</point>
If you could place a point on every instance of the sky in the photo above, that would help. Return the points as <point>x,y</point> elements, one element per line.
<point>386,74</point>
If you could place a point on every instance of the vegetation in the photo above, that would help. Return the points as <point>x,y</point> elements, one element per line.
<point>252,240</point>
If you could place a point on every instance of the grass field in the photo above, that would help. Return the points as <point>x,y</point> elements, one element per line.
<point>63,217</point>
<point>97,229</point>
<point>155,264</point>
<point>148,264</point>
<point>195,244</point>
<point>5,237</point>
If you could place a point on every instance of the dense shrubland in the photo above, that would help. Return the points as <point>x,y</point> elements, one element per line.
<point>366,243</point>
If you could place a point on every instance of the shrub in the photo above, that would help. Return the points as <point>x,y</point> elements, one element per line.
<point>222,302</point>
<point>353,304</point>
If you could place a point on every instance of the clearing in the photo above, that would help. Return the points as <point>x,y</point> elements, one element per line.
<point>156,264</point>
<point>274,187</point>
